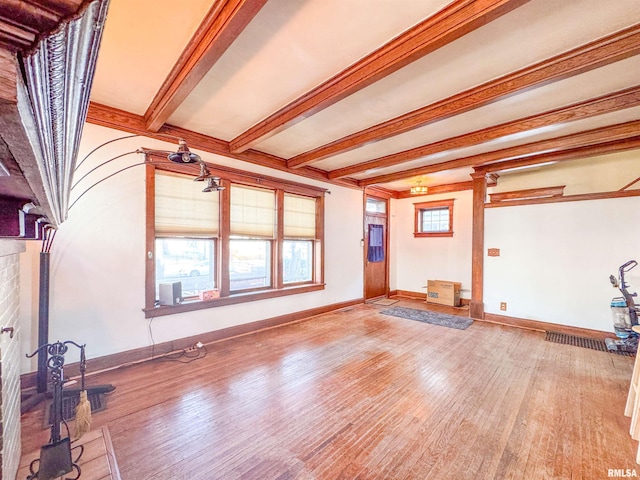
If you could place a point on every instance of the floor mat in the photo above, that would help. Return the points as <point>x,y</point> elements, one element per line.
<point>427,316</point>
<point>583,342</point>
<point>384,301</point>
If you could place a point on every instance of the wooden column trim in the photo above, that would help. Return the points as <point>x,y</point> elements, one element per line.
<point>150,229</point>
<point>277,260</point>
<point>476,307</point>
<point>225,228</point>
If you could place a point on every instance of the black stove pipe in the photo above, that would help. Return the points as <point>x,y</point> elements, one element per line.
<point>43,323</point>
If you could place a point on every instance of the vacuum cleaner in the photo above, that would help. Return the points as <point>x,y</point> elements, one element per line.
<point>625,313</point>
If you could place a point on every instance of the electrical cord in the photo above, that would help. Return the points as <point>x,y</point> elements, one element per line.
<point>181,356</point>
<point>184,356</point>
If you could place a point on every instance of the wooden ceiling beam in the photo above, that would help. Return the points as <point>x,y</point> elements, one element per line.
<point>457,19</point>
<point>221,26</point>
<point>612,139</point>
<point>588,151</point>
<point>612,102</point>
<point>128,122</point>
<point>587,57</point>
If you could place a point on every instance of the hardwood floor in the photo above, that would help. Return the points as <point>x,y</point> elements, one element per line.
<point>355,394</point>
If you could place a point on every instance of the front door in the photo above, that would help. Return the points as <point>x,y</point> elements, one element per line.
<point>376,283</point>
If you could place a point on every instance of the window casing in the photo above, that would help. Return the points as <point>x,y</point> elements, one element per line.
<point>247,242</point>
<point>433,219</point>
<point>186,232</point>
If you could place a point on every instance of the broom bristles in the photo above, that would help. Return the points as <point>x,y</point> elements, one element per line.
<point>83,415</point>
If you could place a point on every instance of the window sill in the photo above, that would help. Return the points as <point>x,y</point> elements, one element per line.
<point>432,234</point>
<point>234,299</point>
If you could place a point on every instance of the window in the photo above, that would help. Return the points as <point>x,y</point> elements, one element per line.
<point>299,234</point>
<point>254,240</point>
<point>374,205</point>
<point>186,230</point>
<point>253,223</point>
<point>433,219</point>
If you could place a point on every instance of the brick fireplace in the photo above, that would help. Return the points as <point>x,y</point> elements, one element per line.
<point>10,357</point>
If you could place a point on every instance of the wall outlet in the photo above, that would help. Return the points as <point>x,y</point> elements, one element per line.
<point>503,306</point>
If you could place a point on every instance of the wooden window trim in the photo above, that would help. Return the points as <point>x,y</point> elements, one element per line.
<point>278,288</point>
<point>418,207</point>
<point>236,298</point>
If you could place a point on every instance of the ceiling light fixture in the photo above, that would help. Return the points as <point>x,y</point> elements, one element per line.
<point>213,185</point>
<point>204,173</point>
<point>183,155</point>
<point>419,189</point>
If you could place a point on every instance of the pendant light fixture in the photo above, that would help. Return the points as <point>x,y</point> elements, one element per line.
<point>419,189</point>
<point>183,155</point>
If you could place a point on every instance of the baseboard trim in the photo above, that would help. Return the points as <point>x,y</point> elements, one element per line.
<point>115,360</point>
<point>544,326</point>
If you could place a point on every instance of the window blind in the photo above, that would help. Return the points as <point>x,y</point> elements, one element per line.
<point>183,209</point>
<point>299,216</point>
<point>253,212</point>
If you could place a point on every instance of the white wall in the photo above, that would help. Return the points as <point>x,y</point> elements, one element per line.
<point>98,258</point>
<point>416,260</point>
<point>555,259</point>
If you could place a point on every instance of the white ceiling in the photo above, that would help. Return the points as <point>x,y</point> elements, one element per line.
<point>291,47</point>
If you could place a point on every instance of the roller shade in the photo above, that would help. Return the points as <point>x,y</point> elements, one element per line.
<point>253,212</point>
<point>183,209</point>
<point>299,216</point>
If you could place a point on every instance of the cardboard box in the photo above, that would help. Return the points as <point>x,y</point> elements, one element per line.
<point>443,292</point>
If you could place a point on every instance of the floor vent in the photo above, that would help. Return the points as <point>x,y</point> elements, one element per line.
<point>69,404</point>
<point>583,342</point>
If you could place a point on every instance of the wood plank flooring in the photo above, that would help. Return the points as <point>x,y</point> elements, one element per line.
<point>355,394</point>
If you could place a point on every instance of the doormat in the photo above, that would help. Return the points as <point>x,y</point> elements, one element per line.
<point>583,342</point>
<point>69,404</point>
<point>384,301</point>
<point>427,316</point>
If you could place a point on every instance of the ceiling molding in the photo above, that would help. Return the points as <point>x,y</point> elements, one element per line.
<point>588,108</point>
<point>380,192</point>
<point>587,57</point>
<point>221,26</point>
<point>116,119</point>
<point>457,19</point>
<point>605,135</point>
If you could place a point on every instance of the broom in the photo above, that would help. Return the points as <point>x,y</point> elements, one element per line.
<point>83,410</point>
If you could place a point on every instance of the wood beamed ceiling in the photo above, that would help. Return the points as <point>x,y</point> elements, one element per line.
<point>409,95</point>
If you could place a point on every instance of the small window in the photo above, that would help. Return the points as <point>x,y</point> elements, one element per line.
<point>433,219</point>
<point>374,205</point>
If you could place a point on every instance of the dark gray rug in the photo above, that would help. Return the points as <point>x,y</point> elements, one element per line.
<point>427,316</point>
